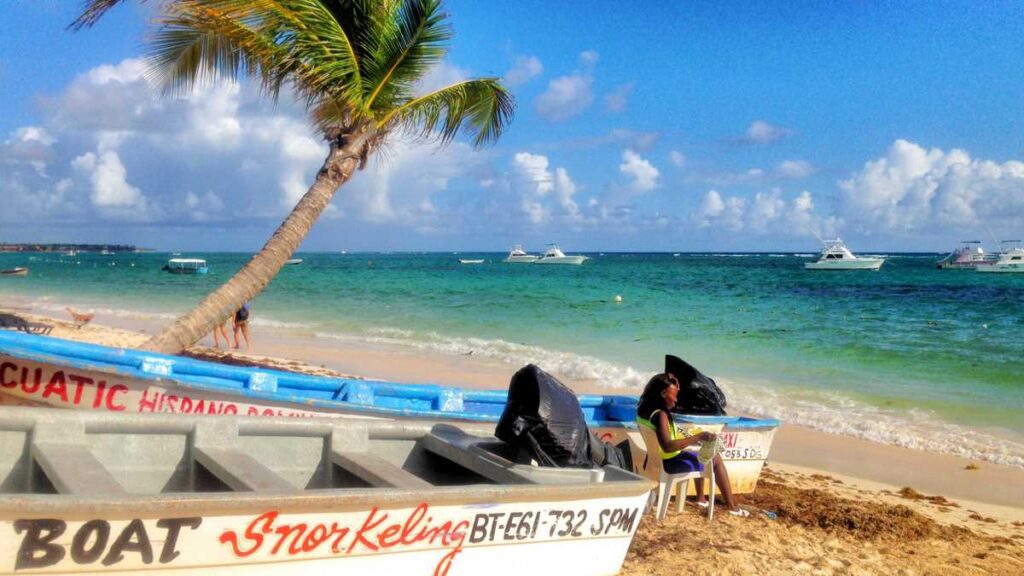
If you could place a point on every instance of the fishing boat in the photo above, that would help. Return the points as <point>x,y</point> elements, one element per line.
<point>968,256</point>
<point>554,255</point>
<point>19,271</point>
<point>175,494</point>
<point>41,370</point>
<point>471,260</point>
<point>186,266</point>
<point>293,261</point>
<point>518,255</point>
<point>1011,258</point>
<point>836,256</point>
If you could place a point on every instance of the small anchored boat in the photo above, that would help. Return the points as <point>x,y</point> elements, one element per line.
<point>1011,258</point>
<point>46,371</point>
<point>293,261</point>
<point>100,492</point>
<point>19,271</point>
<point>471,260</point>
<point>836,256</point>
<point>186,266</point>
<point>554,255</point>
<point>518,255</point>
<point>968,256</point>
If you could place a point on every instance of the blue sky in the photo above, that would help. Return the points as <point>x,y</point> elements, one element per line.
<point>639,126</point>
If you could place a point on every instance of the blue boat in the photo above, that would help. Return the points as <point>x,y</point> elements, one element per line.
<point>40,370</point>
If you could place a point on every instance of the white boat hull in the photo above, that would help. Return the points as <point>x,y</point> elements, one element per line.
<point>562,260</point>
<point>1007,268</point>
<point>528,259</point>
<point>858,264</point>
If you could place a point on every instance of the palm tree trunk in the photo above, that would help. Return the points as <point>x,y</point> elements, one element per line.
<point>348,150</point>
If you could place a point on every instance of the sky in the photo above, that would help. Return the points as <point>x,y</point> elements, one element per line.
<point>639,126</point>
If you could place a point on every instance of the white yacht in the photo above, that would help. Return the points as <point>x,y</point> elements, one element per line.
<point>970,255</point>
<point>553,255</point>
<point>1010,260</point>
<point>519,255</point>
<point>836,256</point>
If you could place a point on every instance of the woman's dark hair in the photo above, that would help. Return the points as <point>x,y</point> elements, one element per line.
<point>651,399</point>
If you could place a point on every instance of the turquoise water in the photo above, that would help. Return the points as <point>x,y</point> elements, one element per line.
<point>910,355</point>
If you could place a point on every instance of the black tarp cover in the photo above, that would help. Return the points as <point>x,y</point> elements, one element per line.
<point>698,394</point>
<point>543,418</point>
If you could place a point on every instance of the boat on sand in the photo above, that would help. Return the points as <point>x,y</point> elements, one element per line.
<point>18,271</point>
<point>100,492</point>
<point>40,370</point>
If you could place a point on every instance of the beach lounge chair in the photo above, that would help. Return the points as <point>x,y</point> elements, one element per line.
<point>651,467</point>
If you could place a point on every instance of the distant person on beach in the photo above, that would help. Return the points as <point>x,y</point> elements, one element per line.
<point>221,330</point>
<point>653,411</point>
<point>242,324</point>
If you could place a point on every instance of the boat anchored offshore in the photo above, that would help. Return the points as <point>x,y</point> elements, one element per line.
<point>40,370</point>
<point>471,260</point>
<point>293,262</point>
<point>186,266</point>
<point>836,256</point>
<point>969,255</point>
<point>1011,259</point>
<point>100,492</point>
<point>518,255</point>
<point>554,255</point>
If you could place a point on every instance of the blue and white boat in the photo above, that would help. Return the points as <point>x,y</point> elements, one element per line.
<point>40,370</point>
<point>186,266</point>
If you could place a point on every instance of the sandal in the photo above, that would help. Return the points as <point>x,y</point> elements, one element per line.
<point>702,503</point>
<point>739,512</point>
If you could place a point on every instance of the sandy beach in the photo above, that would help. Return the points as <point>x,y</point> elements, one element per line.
<point>843,505</point>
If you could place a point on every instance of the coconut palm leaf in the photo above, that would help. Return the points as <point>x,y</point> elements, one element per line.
<point>413,44</point>
<point>481,107</point>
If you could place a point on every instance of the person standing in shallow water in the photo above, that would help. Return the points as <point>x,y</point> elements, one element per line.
<point>242,325</point>
<point>653,411</point>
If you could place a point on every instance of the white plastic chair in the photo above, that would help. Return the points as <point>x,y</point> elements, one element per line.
<point>652,468</point>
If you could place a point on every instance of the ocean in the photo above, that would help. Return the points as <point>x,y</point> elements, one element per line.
<point>910,355</point>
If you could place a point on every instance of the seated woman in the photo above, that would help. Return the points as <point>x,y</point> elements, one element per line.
<point>653,411</point>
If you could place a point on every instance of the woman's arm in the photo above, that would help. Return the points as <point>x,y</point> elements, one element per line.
<point>665,435</point>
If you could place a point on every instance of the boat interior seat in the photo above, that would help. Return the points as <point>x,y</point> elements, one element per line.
<point>376,471</point>
<point>240,471</point>
<point>68,463</point>
<point>455,445</point>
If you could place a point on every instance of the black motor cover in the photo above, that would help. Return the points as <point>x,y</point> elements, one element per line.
<point>698,394</point>
<point>543,419</point>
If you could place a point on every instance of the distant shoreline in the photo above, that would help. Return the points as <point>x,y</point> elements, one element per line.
<point>67,247</point>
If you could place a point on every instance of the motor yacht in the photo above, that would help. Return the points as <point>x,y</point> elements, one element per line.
<point>519,255</point>
<point>970,255</point>
<point>836,256</point>
<point>553,255</point>
<point>1011,259</point>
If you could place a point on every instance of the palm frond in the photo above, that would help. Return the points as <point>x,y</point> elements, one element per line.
<point>414,40</point>
<point>480,107</point>
<point>92,12</point>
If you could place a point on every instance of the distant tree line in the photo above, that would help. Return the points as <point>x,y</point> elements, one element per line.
<point>66,247</point>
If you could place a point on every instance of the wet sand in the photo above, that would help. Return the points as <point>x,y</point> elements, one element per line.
<point>843,505</point>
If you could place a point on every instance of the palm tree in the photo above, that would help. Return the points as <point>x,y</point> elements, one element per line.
<point>355,64</point>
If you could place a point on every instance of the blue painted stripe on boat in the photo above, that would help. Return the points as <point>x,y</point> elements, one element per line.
<point>370,397</point>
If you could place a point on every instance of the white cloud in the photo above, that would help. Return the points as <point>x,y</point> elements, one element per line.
<point>524,69</point>
<point>568,96</point>
<point>677,158</point>
<point>767,213</point>
<point>441,75</point>
<point>618,99</point>
<point>911,189</point>
<point>644,175</point>
<point>795,169</point>
<point>543,194</point>
<point>761,132</point>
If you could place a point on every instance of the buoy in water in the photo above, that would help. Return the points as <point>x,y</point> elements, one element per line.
<point>618,299</point>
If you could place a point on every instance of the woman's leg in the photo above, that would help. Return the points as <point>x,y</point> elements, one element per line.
<point>236,327</point>
<point>724,485</point>
<point>245,333</point>
<point>698,487</point>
